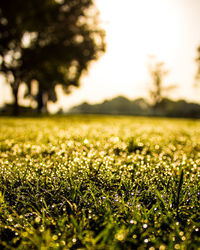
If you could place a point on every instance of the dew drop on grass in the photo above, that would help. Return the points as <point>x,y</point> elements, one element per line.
<point>55,237</point>
<point>133,222</point>
<point>74,240</point>
<point>181,233</point>
<point>41,229</point>
<point>177,246</point>
<point>10,219</point>
<point>120,236</point>
<point>37,219</point>
<point>86,141</point>
<point>145,225</point>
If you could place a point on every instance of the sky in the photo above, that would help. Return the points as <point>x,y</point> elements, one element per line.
<point>135,31</point>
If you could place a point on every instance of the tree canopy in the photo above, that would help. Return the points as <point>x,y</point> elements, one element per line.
<point>51,41</point>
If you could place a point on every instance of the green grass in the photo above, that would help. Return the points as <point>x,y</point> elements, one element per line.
<point>97,182</point>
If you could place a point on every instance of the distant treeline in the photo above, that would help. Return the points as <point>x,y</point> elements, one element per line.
<point>123,106</point>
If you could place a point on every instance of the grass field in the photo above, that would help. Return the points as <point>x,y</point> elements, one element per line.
<point>97,182</point>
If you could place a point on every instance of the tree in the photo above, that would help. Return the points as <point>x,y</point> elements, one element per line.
<point>157,91</point>
<point>197,77</point>
<point>12,20</point>
<point>51,41</point>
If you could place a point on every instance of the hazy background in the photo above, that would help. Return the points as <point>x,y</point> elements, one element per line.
<point>167,29</point>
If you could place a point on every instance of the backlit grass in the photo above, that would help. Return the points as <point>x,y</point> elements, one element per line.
<point>89,182</point>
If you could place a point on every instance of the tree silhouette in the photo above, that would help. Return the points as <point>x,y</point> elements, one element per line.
<point>197,76</point>
<point>158,91</point>
<point>52,42</point>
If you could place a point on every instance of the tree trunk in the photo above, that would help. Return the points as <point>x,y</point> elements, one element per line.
<point>16,105</point>
<point>42,99</point>
<point>15,89</point>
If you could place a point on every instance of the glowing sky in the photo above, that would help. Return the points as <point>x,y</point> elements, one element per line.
<point>136,29</point>
<point>168,29</point>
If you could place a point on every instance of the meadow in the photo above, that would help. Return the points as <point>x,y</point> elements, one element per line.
<point>99,182</point>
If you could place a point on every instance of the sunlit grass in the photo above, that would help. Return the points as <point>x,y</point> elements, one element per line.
<point>89,182</point>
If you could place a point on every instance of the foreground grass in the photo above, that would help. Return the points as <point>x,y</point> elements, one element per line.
<point>86,182</point>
